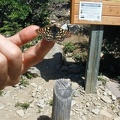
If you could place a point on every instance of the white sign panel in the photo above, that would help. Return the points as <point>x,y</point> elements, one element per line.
<point>91,11</point>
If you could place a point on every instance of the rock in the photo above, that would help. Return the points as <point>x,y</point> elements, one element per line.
<point>69,55</point>
<point>73,103</point>
<point>99,83</point>
<point>41,103</point>
<point>81,113</point>
<point>114,98</point>
<point>34,71</point>
<point>101,54</point>
<point>33,94</point>
<point>109,93</point>
<point>83,117</point>
<point>97,103</point>
<point>75,86</point>
<point>114,88</point>
<point>39,88</point>
<point>2,106</point>
<point>74,29</point>
<point>31,105</point>
<point>105,112</point>
<point>33,85</point>
<point>53,18</point>
<point>7,94</point>
<point>106,99</point>
<point>76,93</point>
<point>52,21</point>
<point>69,60</point>
<point>106,92</point>
<point>51,64</point>
<point>84,111</point>
<point>117,118</point>
<point>20,113</point>
<point>118,112</point>
<point>105,78</point>
<point>87,104</point>
<point>95,111</point>
<point>65,27</point>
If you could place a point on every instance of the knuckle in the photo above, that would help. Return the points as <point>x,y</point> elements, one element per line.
<point>13,82</point>
<point>15,54</point>
<point>3,60</point>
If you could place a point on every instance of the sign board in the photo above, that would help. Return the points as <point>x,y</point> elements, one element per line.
<point>91,11</point>
<point>98,12</point>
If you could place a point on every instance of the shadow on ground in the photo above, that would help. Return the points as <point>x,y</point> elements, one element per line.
<point>50,69</point>
<point>43,117</point>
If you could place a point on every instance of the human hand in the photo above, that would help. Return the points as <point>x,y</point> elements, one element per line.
<point>13,62</point>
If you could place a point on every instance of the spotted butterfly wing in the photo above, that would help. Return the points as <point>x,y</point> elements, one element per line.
<point>53,33</point>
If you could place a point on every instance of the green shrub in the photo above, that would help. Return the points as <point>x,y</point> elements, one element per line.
<point>68,47</point>
<point>59,1</point>
<point>16,15</point>
<point>81,57</point>
<point>22,105</point>
<point>51,102</point>
<point>101,78</point>
<point>23,82</point>
<point>1,92</point>
<point>118,77</point>
<point>29,75</point>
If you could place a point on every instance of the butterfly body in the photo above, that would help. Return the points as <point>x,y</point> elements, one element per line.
<point>53,33</point>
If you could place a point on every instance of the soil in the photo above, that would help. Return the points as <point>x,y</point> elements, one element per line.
<point>39,95</point>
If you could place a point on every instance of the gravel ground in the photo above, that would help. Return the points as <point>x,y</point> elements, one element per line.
<point>39,94</point>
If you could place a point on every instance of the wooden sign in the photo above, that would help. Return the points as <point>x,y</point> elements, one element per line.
<point>104,12</point>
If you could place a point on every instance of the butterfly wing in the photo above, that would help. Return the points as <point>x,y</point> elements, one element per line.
<point>53,33</point>
<point>44,33</point>
<point>56,32</point>
<point>60,34</point>
<point>63,34</point>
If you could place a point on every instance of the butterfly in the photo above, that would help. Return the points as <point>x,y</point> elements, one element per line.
<point>53,33</point>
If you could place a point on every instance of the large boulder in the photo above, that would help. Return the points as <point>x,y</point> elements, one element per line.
<point>50,67</point>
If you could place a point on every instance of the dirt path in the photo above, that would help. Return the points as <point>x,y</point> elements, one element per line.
<point>39,93</point>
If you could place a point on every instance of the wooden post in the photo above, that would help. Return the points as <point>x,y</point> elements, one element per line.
<point>92,67</point>
<point>62,96</point>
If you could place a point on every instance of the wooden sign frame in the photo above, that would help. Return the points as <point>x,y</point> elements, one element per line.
<point>110,12</point>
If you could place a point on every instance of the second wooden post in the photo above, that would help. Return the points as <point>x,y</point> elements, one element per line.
<point>92,68</point>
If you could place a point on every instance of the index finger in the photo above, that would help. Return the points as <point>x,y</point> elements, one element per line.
<point>25,35</point>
